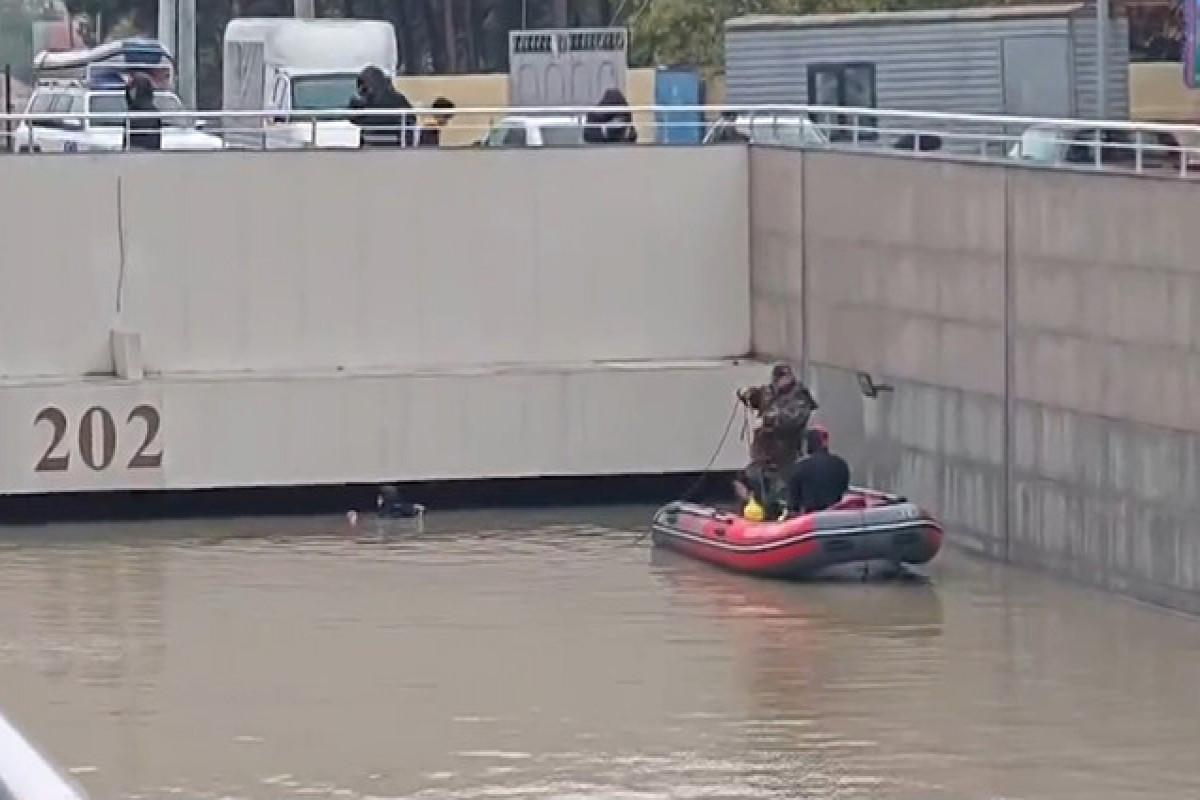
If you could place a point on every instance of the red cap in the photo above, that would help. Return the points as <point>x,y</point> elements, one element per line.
<point>821,431</point>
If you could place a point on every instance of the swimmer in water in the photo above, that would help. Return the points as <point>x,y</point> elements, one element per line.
<point>391,505</point>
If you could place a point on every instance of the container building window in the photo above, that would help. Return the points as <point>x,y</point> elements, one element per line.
<point>851,85</point>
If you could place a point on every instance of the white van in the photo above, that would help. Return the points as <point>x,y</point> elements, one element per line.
<point>287,64</point>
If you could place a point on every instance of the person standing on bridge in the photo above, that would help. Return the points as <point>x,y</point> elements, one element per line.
<point>431,131</point>
<point>374,90</point>
<point>610,127</point>
<point>144,133</point>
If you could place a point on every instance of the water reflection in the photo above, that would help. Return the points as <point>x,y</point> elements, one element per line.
<point>88,620</point>
<point>553,654</point>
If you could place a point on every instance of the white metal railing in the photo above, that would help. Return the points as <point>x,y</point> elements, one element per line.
<point>25,774</point>
<point>1108,144</point>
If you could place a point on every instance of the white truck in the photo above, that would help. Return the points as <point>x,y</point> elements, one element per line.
<point>293,65</point>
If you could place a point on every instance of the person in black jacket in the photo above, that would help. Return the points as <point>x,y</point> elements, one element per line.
<point>374,90</point>
<point>820,479</point>
<point>145,133</point>
<point>726,131</point>
<point>610,127</point>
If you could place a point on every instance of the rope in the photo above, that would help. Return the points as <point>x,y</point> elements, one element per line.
<point>716,453</point>
<point>708,467</point>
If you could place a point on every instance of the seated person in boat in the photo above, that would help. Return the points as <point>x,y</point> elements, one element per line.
<point>783,406</point>
<point>820,479</point>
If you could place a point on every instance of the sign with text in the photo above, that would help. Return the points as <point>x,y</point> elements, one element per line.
<point>82,436</point>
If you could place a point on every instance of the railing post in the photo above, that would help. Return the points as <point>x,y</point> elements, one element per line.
<point>1010,403</point>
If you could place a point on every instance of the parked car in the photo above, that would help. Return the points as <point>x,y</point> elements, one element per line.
<point>793,130</point>
<point>107,133</point>
<point>1060,145</point>
<point>535,131</point>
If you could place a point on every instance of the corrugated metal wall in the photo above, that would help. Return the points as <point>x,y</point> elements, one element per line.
<point>937,66</point>
<point>1083,28</point>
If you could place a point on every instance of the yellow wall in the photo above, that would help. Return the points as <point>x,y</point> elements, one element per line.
<point>491,91</point>
<point>1157,93</point>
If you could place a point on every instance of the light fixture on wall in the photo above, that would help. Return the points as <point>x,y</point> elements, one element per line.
<point>871,389</point>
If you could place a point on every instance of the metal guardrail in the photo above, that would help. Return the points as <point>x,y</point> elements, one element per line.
<point>1096,144</point>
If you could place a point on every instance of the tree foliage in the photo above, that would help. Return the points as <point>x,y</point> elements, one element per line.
<point>16,33</point>
<point>1156,31</point>
<point>454,36</point>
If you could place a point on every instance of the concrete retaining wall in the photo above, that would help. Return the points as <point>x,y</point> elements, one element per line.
<point>228,430</point>
<point>1041,330</point>
<point>173,321</point>
<point>293,261</point>
<point>333,317</point>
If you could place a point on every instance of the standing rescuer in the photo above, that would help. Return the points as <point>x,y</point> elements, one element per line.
<point>784,406</point>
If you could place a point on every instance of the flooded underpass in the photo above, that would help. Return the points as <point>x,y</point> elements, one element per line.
<point>555,654</point>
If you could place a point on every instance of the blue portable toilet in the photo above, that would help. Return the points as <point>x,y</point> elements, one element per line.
<point>678,86</point>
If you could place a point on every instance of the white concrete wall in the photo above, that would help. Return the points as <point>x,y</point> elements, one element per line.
<point>292,261</point>
<point>60,265</point>
<point>237,430</point>
<point>1040,330</point>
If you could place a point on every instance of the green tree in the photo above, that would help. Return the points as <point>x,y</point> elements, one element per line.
<point>16,34</point>
<point>689,32</point>
<point>692,32</point>
<point>452,36</point>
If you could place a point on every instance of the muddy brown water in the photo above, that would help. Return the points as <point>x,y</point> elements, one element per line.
<point>556,655</point>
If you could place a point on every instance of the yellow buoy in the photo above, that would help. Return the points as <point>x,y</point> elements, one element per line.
<point>753,511</point>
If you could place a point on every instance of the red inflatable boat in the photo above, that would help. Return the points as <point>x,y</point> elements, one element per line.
<point>866,526</point>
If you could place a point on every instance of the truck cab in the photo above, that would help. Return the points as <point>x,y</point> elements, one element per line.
<point>299,90</point>
<point>292,66</point>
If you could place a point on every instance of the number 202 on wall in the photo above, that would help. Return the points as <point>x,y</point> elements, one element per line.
<point>97,439</point>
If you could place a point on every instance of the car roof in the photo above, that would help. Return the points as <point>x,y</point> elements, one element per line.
<point>542,120</point>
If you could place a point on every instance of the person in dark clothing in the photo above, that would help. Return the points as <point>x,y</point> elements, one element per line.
<point>783,406</point>
<point>725,131</point>
<point>145,133</point>
<point>610,127</point>
<point>391,505</point>
<point>431,133</point>
<point>374,90</point>
<point>820,479</point>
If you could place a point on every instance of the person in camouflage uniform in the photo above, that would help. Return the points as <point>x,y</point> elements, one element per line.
<point>783,406</point>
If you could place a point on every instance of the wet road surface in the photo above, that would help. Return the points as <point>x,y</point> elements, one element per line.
<point>555,655</point>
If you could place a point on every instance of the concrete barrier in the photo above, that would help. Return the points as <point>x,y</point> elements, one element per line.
<point>240,319</point>
<point>295,261</point>
<point>1106,362</point>
<point>291,318</point>
<point>191,432</point>
<point>1041,330</point>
